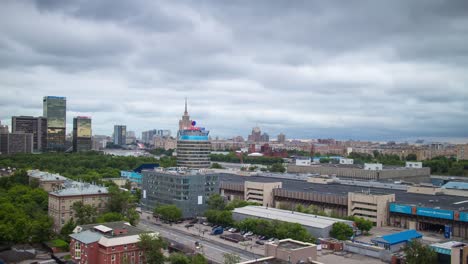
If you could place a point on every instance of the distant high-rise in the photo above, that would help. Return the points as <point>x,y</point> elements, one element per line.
<point>120,135</point>
<point>13,143</point>
<point>193,144</point>
<point>55,109</point>
<point>3,129</point>
<point>256,135</point>
<point>185,122</point>
<point>33,125</point>
<point>82,134</point>
<point>281,138</point>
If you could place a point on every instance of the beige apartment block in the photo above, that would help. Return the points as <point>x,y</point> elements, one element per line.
<point>372,207</point>
<point>287,251</point>
<point>462,152</point>
<point>61,201</point>
<point>261,192</point>
<point>47,181</point>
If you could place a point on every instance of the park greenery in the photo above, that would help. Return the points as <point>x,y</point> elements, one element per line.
<point>161,152</point>
<point>232,157</point>
<point>216,165</point>
<point>179,258</point>
<point>416,252</point>
<point>341,231</point>
<point>23,214</point>
<point>87,166</point>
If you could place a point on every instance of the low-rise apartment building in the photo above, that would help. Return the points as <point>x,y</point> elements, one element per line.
<point>47,181</point>
<point>61,201</point>
<point>107,243</point>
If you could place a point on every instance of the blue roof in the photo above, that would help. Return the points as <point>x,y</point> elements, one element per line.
<point>146,166</point>
<point>456,185</point>
<point>397,238</point>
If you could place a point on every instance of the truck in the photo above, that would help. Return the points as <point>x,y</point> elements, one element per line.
<point>217,231</point>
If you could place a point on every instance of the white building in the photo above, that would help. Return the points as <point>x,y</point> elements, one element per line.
<point>373,166</point>
<point>413,164</point>
<point>346,161</point>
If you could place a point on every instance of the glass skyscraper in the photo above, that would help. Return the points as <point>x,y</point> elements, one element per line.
<point>82,133</point>
<point>120,135</point>
<point>55,109</point>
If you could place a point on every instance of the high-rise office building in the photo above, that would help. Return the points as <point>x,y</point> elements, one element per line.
<point>55,110</point>
<point>120,135</point>
<point>193,148</point>
<point>13,143</point>
<point>3,129</point>
<point>33,125</point>
<point>82,133</point>
<point>281,138</point>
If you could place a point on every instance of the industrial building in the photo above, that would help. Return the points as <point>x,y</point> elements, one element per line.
<point>386,205</point>
<point>370,171</point>
<point>318,226</point>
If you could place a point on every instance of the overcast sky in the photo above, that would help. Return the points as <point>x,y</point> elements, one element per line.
<point>343,69</point>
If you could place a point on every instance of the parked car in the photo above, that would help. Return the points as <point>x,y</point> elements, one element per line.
<point>227,228</point>
<point>260,242</point>
<point>243,232</point>
<point>189,225</point>
<point>232,229</point>
<point>250,233</point>
<point>262,237</point>
<point>206,224</point>
<point>271,239</point>
<point>193,221</point>
<point>216,226</point>
<point>217,231</point>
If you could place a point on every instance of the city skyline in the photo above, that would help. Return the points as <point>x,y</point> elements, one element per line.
<point>375,71</point>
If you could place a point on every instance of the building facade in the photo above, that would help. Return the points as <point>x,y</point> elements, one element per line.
<point>49,182</point>
<point>61,201</point>
<point>193,148</point>
<point>55,109</point>
<point>185,122</point>
<point>120,135</point>
<point>82,134</point>
<point>13,143</point>
<point>107,243</point>
<point>187,189</point>
<point>33,125</point>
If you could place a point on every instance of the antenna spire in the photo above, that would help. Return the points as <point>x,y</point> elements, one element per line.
<point>185,106</point>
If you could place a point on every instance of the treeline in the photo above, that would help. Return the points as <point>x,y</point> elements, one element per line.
<point>88,166</point>
<point>233,158</point>
<point>447,166</point>
<point>23,213</point>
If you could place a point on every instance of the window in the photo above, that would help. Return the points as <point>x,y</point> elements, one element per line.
<point>140,253</point>
<point>113,248</point>
<point>125,247</point>
<point>113,257</point>
<point>133,253</point>
<point>77,250</point>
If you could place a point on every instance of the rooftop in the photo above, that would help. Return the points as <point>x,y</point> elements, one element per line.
<point>456,185</point>
<point>310,220</point>
<point>397,238</point>
<point>450,202</point>
<point>79,188</point>
<point>45,176</point>
<point>292,244</point>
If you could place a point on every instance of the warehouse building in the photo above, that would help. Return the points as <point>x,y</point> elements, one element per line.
<point>318,226</point>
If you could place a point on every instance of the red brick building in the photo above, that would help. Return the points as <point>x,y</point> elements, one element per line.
<point>108,243</point>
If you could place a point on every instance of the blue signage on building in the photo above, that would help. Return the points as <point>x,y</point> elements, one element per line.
<point>400,208</point>
<point>436,213</point>
<point>463,217</point>
<point>448,231</point>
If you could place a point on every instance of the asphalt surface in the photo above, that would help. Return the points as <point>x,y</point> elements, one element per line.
<point>211,249</point>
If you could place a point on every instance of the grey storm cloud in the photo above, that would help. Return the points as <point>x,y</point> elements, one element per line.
<point>343,69</point>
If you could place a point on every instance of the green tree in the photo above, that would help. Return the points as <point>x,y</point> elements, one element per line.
<point>416,253</point>
<point>85,214</point>
<point>178,258</point>
<point>411,157</point>
<point>341,231</point>
<point>168,212</point>
<point>199,259</point>
<point>216,202</point>
<point>231,258</point>
<point>109,217</point>
<point>123,203</point>
<point>362,224</point>
<point>152,247</point>
<point>277,167</point>
<point>216,165</point>
<point>67,229</point>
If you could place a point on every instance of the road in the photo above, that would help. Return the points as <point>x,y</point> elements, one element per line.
<point>212,250</point>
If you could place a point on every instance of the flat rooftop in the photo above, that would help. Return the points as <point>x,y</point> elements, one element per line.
<point>288,216</point>
<point>45,176</point>
<point>449,202</point>
<point>74,188</point>
<point>291,244</point>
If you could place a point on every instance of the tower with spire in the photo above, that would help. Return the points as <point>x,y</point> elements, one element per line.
<point>185,122</point>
